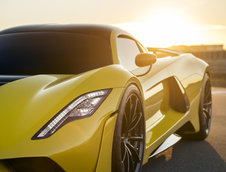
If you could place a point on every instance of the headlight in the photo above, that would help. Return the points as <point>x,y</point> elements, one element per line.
<point>82,107</point>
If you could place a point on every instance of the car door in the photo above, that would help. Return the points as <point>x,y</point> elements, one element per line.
<point>157,85</point>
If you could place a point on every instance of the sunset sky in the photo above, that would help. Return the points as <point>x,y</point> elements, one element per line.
<point>153,22</point>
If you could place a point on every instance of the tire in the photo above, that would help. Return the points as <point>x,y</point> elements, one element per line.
<point>129,135</point>
<point>205,111</point>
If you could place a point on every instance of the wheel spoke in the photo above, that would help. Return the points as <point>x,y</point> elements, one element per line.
<point>136,138</point>
<point>133,152</point>
<point>124,148</point>
<point>130,160</point>
<point>125,155</point>
<point>207,104</point>
<point>208,92</point>
<point>123,166</point>
<point>134,119</point>
<point>125,123</point>
<point>208,96</point>
<point>134,123</point>
<point>135,110</point>
<point>126,162</point>
<point>206,113</point>
<point>131,106</point>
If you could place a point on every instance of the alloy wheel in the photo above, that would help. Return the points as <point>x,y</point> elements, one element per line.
<point>207,105</point>
<point>132,135</point>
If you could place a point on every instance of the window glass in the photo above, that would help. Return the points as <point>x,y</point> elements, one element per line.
<point>33,53</point>
<point>127,50</point>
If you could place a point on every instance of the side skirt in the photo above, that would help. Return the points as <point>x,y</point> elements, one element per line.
<point>170,141</point>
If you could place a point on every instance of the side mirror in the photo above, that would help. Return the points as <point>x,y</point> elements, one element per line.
<point>145,59</point>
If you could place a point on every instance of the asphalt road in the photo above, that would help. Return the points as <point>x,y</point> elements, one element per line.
<point>198,156</point>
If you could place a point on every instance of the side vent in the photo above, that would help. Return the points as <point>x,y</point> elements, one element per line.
<point>178,98</point>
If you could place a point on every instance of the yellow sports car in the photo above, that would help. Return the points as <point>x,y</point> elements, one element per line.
<point>84,98</point>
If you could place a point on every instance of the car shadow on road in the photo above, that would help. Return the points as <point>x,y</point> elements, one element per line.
<point>187,156</point>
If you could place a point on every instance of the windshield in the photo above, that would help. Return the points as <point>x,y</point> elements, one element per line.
<point>32,53</point>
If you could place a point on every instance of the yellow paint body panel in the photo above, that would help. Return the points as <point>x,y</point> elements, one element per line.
<point>30,102</point>
<point>86,145</point>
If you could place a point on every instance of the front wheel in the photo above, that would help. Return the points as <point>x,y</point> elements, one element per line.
<point>129,136</point>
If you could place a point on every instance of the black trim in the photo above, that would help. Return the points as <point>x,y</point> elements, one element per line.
<point>114,113</point>
<point>4,79</point>
<point>149,69</point>
<point>29,164</point>
<point>177,97</point>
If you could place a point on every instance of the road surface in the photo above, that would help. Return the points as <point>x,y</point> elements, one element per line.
<point>198,156</point>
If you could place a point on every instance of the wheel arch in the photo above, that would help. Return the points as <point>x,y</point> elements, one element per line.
<point>105,153</point>
<point>134,81</point>
<point>207,71</point>
<point>192,126</point>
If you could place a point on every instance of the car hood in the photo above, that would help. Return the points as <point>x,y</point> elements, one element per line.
<point>27,104</point>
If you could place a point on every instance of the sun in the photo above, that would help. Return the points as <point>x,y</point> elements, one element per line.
<point>164,28</point>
